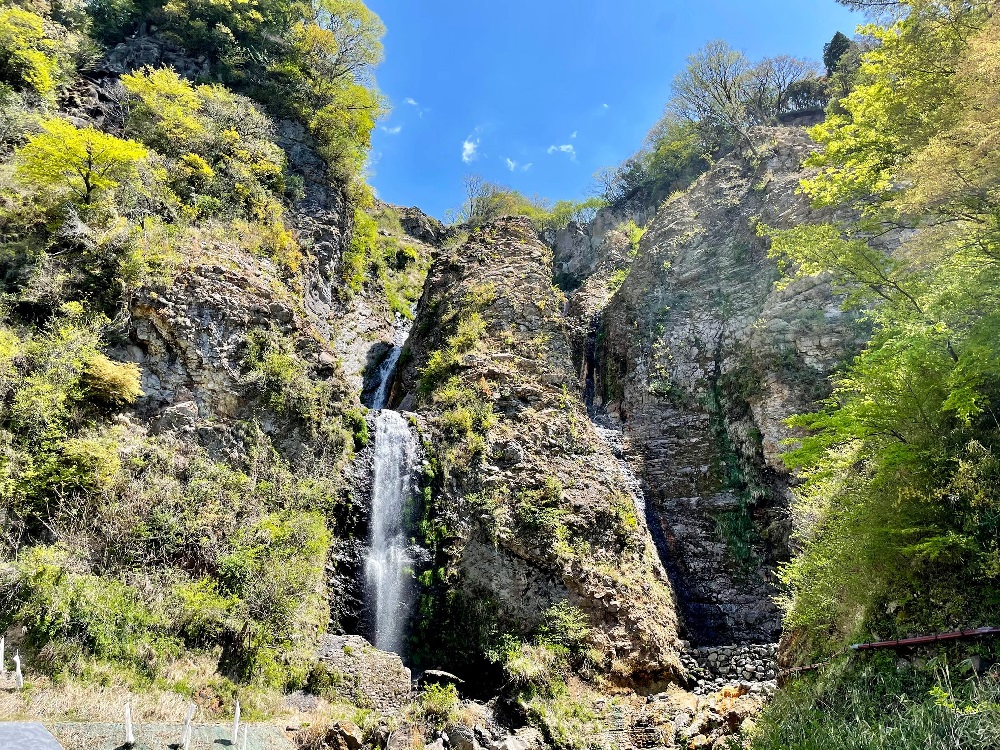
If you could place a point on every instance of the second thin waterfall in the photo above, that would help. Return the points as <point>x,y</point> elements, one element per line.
<point>388,564</point>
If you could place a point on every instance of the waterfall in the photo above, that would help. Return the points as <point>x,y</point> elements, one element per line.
<point>388,562</point>
<point>385,373</point>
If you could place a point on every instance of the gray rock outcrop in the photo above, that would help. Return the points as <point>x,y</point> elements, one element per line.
<point>702,358</point>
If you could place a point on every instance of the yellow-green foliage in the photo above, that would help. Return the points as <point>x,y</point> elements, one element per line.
<point>79,163</point>
<point>114,383</point>
<point>466,413</point>
<point>537,670</point>
<point>532,665</point>
<point>674,154</point>
<point>220,155</point>
<point>439,705</point>
<point>363,248</point>
<point>391,262</point>
<point>344,128</point>
<point>899,466</point>
<point>568,721</point>
<point>635,235</point>
<point>319,57</point>
<point>28,58</point>
<point>283,380</point>
<point>616,279</point>
<point>263,595</point>
<point>469,326</point>
<point>243,557</point>
<point>75,613</point>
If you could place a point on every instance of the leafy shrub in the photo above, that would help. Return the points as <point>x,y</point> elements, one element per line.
<point>203,615</point>
<point>113,383</point>
<point>363,247</point>
<point>533,666</point>
<point>221,156</point>
<point>439,704</point>
<point>566,626</point>
<point>670,159</point>
<point>283,380</point>
<point>105,616</point>
<point>325,681</point>
<point>540,512</point>
<point>616,279</point>
<point>27,56</point>
<point>898,540</point>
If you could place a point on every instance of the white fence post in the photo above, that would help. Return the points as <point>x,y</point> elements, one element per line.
<point>236,723</point>
<point>186,737</point>
<point>129,736</point>
<point>18,677</point>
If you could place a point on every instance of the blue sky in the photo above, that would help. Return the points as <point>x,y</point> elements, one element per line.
<point>540,94</point>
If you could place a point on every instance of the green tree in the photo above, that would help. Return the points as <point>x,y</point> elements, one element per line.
<point>726,94</point>
<point>79,162</point>
<point>27,57</point>
<point>900,466</point>
<point>834,50</point>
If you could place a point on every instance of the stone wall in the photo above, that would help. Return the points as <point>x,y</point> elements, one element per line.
<point>713,667</point>
<point>365,676</point>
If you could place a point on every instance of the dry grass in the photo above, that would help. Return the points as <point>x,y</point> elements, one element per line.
<point>44,700</point>
<point>101,699</point>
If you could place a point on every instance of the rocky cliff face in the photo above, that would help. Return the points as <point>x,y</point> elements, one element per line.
<point>702,357</point>
<point>527,501</point>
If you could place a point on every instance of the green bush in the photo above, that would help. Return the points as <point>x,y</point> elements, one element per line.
<point>221,158</point>
<point>103,616</point>
<point>113,383</point>
<point>364,246</point>
<point>439,704</point>
<point>82,164</point>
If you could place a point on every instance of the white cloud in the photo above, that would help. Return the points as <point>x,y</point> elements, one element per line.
<point>416,105</point>
<point>566,148</point>
<point>470,150</point>
<point>605,106</point>
<point>573,135</point>
<point>526,167</point>
<point>511,164</point>
<point>391,131</point>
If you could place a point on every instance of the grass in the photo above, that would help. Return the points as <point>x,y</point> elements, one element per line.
<point>101,690</point>
<point>877,708</point>
<point>570,716</point>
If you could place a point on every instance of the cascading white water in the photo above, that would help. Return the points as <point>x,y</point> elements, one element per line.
<point>385,372</point>
<point>388,563</point>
